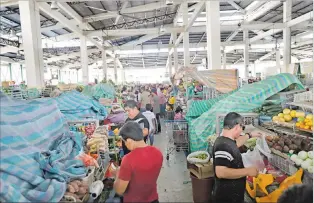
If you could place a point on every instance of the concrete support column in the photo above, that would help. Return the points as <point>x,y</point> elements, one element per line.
<point>21,68</point>
<point>30,25</point>
<point>122,75</point>
<point>175,53</point>
<point>213,34</point>
<point>10,71</point>
<point>246,53</point>
<point>115,70</point>
<point>104,65</point>
<point>287,12</point>
<point>186,35</point>
<point>224,59</point>
<point>278,61</point>
<point>170,66</point>
<point>84,60</point>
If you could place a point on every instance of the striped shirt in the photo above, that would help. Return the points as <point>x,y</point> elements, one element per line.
<point>226,153</point>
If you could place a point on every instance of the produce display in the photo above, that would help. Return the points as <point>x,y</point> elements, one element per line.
<point>300,119</point>
<point>305,123</point>
<point>269,108</point>
<point>304,159</point>
<point>289,144</point>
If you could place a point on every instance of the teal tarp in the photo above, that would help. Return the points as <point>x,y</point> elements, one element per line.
<point>99,91</point>
<point>242,101</point>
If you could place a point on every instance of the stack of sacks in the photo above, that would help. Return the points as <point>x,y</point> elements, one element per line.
<point>76,189</point>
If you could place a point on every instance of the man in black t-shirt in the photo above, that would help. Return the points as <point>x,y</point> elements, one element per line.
<point>134,114</point>
<point>230,174</point>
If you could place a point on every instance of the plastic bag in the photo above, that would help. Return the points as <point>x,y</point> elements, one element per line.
<point>262,146</point>
<point>193,160</point>
<point>253,158</point>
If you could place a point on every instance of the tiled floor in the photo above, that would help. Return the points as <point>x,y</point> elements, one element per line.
<point>174,183</point>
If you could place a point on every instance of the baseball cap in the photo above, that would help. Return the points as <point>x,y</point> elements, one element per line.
<point>131,130</point>
<point>154,90</point>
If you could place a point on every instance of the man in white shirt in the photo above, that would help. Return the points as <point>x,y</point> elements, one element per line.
<point>150,116</point>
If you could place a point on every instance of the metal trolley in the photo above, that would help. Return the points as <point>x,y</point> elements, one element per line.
<point>177,135</point>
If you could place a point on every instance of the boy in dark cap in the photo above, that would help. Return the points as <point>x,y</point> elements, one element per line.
<point>137,177</point>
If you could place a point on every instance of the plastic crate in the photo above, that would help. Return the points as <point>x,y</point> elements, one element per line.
<point>304,96</point>
<point>285,165</point>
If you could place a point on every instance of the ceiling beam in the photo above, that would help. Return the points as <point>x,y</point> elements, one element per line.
<point>131,32</point>
<point>130,10</point>
<point>264,34</point>
<point>265,56</point>
<point>252,15</point>
<point>6,3</point>
<point>123,7</point>
<point>254,10</point>
<point>300,19</point>
<point>136,42</point>
<point>236,6</point>
<point>69,24</point>
<point>198,9</point>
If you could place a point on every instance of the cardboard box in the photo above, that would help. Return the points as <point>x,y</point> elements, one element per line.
<point>202,171</point>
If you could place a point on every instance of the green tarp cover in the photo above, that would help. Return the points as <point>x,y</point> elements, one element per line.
<point>242,101</point>
<point>198,107</point>
<point>98,91</point>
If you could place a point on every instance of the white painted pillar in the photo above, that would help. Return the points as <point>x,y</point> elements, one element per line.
<point>224,59</point>
<point>30,24</point>
<point>115,70</point>
<point>287,12</point>
<point>213,34</point>
<point>278,61</point>
<point>84,60</point>
<point>170,66</point>
<point>175,53</point>
<point>122,75</point>
<point>246,53</point>
<point>104,65</point>
<point>186,35</point>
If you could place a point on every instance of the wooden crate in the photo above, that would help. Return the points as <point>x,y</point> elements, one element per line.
<point>201,171</point>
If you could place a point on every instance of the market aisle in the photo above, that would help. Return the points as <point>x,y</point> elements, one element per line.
<point>174,181</point>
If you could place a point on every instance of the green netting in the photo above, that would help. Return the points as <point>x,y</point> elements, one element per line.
<point>198,107</point>
<point>98,91</point>
<point>244,100</point>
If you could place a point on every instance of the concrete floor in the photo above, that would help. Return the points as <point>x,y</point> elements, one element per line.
<point>174,183</point>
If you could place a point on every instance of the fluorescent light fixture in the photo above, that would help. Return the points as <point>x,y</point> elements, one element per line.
<point>54,6</point>
<point>309,36</point>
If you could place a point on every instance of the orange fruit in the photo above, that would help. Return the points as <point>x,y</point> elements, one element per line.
<point>306,127</point>
<point>302,126</point>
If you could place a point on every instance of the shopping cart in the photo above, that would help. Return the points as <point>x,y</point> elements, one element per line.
<point>177,135</point>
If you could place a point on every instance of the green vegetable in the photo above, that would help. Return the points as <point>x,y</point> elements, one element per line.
<point>265,108</point>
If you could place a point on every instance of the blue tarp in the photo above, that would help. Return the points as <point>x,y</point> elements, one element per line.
<point>76,106</point>
<point>37,152</point>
